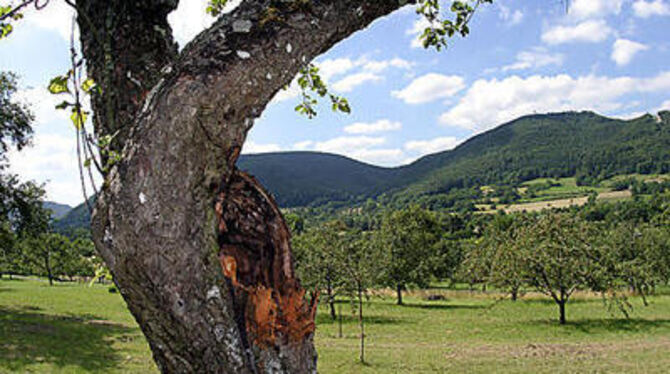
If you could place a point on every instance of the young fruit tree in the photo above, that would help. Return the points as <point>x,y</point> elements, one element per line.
<point>316,262</point>
<point>199,250</point>
<point>502,244</point>
<point>359,259</point>
<point>408,239</point>
<point>560,256</point>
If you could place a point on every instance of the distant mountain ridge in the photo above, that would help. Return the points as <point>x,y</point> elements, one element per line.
<point>582,144</point>
<point>57,210</point>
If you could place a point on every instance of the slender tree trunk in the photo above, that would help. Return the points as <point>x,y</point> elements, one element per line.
<point>47,266</point>
<point>331,298</point>
<point>399,293</point>
<point>199,250</point>
<point>339,310</point>
<point>642,290</point>
<point>515,293</point>
<point>361,324</point>
<point>561,310</point>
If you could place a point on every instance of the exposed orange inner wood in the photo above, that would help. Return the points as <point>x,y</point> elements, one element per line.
<point>256,257</point>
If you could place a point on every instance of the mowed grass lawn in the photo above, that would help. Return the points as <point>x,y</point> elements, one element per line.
<point>71,328</point>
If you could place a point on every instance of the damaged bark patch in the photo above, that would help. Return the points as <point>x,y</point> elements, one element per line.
<point>255,256</point>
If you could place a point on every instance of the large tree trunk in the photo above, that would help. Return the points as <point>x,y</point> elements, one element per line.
<point>198,249</point>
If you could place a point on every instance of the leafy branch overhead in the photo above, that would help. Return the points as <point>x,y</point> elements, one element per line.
<point>10,13</point>
<point>440,29</point>
<point>309,80</point>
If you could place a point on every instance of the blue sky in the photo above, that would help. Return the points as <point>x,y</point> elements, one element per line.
<point>522,57</point>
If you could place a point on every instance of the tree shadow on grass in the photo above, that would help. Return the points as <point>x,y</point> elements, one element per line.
<point>636,325</point>
<point>4,281</point>
<point>28,337</point>
<point>347,318</point>
<point>440,306</point>
<point>549,301</point>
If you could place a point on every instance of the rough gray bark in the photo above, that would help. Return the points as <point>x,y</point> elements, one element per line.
<point>199,250</point>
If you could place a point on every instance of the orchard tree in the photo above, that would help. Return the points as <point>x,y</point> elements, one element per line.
<point>408,240</point>
<point>198,248</point>
<point>359,258</point>
<point>477,264</point>
<point>639,255</point>
<point>560,257</point>
<point>316,260</point>
<point>49,254</point>
<point>657,242</point>
<point>503,243</point>
<point>82,261</point>
<point>22,214</point>
<point>10,256</point>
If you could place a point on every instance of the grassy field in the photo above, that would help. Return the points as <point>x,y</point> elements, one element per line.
<point>568,188</point>
<point>71,328</point>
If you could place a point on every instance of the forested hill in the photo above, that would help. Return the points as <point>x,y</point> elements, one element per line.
<point>57,210</point>
<point>304,178</point>
<point>582,144</point>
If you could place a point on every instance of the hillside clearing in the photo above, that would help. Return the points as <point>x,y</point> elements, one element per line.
<point>564,203</point>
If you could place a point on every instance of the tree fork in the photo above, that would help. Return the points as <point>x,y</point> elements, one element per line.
<point>199,250</point>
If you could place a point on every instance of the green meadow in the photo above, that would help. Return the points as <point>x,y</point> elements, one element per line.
<point>73,328</point>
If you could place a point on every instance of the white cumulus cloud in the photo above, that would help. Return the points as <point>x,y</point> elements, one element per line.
<point>510,17</point>
<point>51,159</point>
<point>348,144</point>
<point>56,16</point>
<point>590,31</point>
<point>594,8</point>
<point>646,9</point>
<point>624,50</point>
<point>382,125</point>
<point>332,67</point>
<point>252,147</point>
<point>425,147</point>
<point>379,66</point>
<point>42,104</point>
<point>535,58</point>
<point>190,18</point>
<point>488,103</point>
<point>362,148</point>
<point>333,71</point>
<point>350,82</point>
<point>384,157</point>
<point>304,145</point>
<point>430,87</point>
<point>417,30</point>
